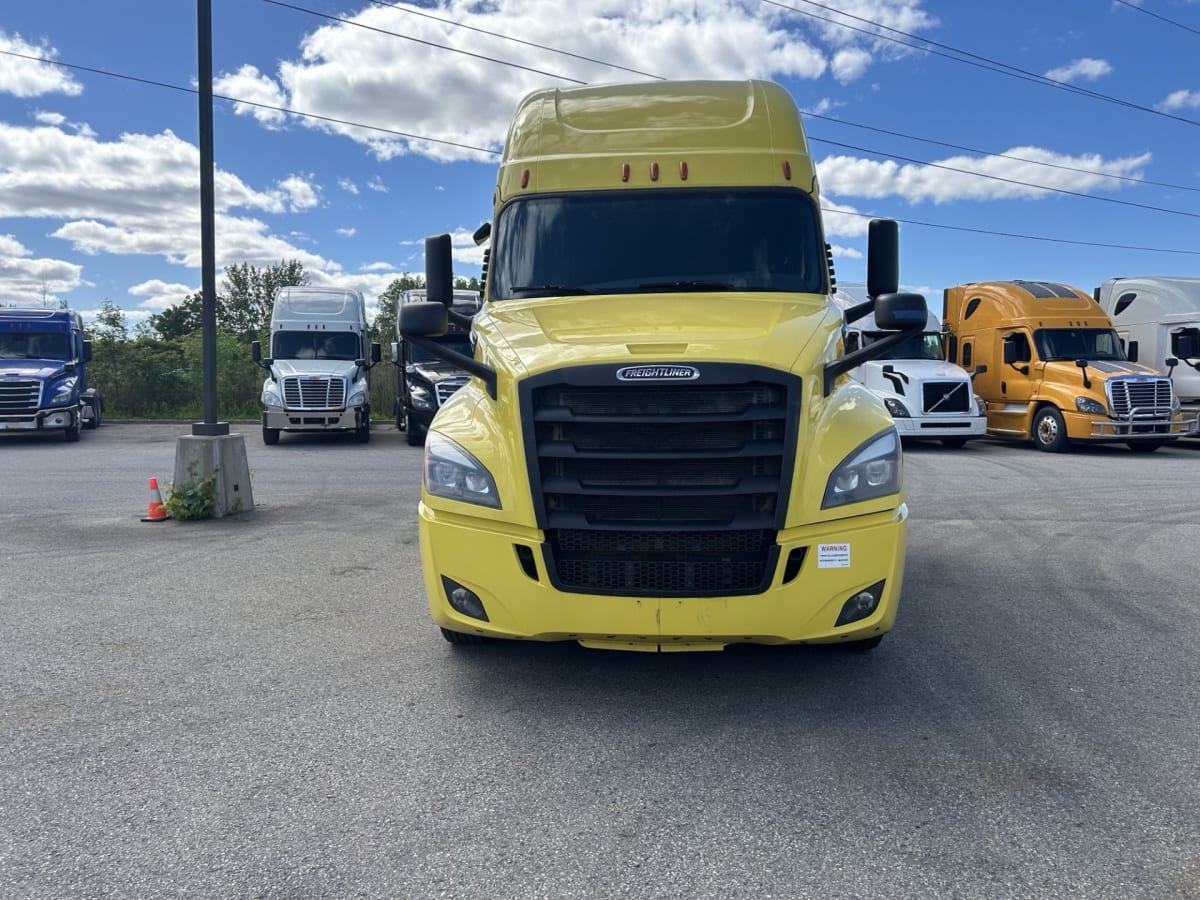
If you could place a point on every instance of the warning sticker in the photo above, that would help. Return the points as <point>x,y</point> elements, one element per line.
<point>833,556</point>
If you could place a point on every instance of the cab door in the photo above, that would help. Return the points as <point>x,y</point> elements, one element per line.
<point>1016,379</point>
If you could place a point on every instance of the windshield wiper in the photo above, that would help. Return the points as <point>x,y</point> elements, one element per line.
<point>685,286</point>
<point>550,290</point>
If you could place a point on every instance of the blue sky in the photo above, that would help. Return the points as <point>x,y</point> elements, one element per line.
<point>1092,177</point>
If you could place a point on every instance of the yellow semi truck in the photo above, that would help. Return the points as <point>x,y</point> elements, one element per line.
<point>659,448</point>
<point>1051,368</point>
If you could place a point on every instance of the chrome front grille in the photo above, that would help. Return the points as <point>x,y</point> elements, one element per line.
<point>19,396</point>
<point>445,389</point>
<point>1138,396</point>
<point>946,397</point>
<point>314,392</point>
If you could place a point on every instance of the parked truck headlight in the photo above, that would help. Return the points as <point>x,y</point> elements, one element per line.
<point>452,472</point>
<point>63,391</point>
<point>422,398</point>
<point>896,408</point>
<point>270,395</point>
<point>1088,405</point>
<point>873,470</point>
<point>357,397</point>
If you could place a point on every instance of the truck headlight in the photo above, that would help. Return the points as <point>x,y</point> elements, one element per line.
<point>1088,405</point>
<point>357,397</point>
<point>896,408</point>
<point>422,398</point>
<point>270,395</point>
<point>63,390</point>
<point>873,470</point>
<point>980,404</point>
<point>453,473</point>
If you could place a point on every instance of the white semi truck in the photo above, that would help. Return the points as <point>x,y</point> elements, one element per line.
<point>320,364</point>
<point>1157,318</point>
<point>929,398</point>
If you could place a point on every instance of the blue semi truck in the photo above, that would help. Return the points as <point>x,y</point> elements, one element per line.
<point>43,373</point>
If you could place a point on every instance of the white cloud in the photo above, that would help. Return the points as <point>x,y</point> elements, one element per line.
<point>1182,99</point>
<point>842,220</point>
<point>300,193</point>
<point>359,75</point>
<point>850,63</point>
<point>248,84</point>
<point>845,252</point>
<point>852,176</point>
<point>138,195</point>
<point>161,294</point>
<point>1085,69</point>
<point>28,78</point>
<point>346,232</point>
<point>28,280</point>
<point>376,184</point>
<point>347,185</point>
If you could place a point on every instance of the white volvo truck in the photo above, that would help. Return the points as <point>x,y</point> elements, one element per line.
<point>320,364</point>
<point>929,398</point>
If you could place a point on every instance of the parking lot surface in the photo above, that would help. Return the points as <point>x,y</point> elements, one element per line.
<point>259,706</point>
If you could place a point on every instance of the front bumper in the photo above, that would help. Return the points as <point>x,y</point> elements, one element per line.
<point>483,556</point>
<point>1140,428</point>
<point>314,419</point>
<point>56,419</point>
<point>942,427</point>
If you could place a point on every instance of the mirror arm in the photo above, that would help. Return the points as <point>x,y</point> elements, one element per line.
<point>466,363</point>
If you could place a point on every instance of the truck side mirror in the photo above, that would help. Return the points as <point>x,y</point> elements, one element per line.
<point>394,358</point>
<point>256,351</point>
<point>1185,344</point>
<point>883,257</point>
<point>900,311</point>
<point>376,354</point>
<point>427,319</point>
<point>1131,352</point>
<point>979,369</point>
<point>87,351</point>
<point>439,271</point>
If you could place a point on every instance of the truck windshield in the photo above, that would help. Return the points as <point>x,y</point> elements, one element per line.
<point>35,345</point>
<point>314,345</point>
<point>458,343</point>
<point>919,346</point>
<point>741,239</point>
<point>1077,343</point>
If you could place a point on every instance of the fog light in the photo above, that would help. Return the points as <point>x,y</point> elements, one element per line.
<point>464,600</point>
<point>860,605</point>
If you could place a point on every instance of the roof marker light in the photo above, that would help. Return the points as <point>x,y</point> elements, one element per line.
<point>787,170</point>
<point>654,171</point>
<point>624,171</point>
<point>524,178</point>
<point>683,170</point>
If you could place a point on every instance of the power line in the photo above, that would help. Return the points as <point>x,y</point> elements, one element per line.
<point>1142,9</point>
<point>411,136</point>
<point>1040,187</point>
<point>972,59</point>
<point>506,37</point>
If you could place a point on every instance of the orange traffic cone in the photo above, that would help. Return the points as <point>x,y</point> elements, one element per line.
<point>155,511</point>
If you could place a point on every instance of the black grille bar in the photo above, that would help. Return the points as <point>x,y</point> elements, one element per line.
<point>658,463</point>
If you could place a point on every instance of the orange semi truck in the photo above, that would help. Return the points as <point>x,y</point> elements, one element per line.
<point>1051,368</point>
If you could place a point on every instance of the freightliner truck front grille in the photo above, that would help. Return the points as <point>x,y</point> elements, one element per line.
<point>1141,396</point>
<point>19,396</point>
<point>661,487</point>
<point>314,392</point>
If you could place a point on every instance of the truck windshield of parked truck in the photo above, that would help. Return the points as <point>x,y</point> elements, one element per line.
<point>314,345</point>
<point>919,346</point>
<point>743,239</point>
<point>1077,343</point>
<point>457,344</point>
<point>35,345</point>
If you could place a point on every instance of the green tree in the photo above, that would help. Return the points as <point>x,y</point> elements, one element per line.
<point>383,329</point>
<point>248,292</point>
<point>179,320</point>
<point>110,323</point>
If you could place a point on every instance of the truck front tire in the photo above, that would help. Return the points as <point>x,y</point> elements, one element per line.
<point>72,432</point>
<point>270,436</point>
<point>1049,430</point>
